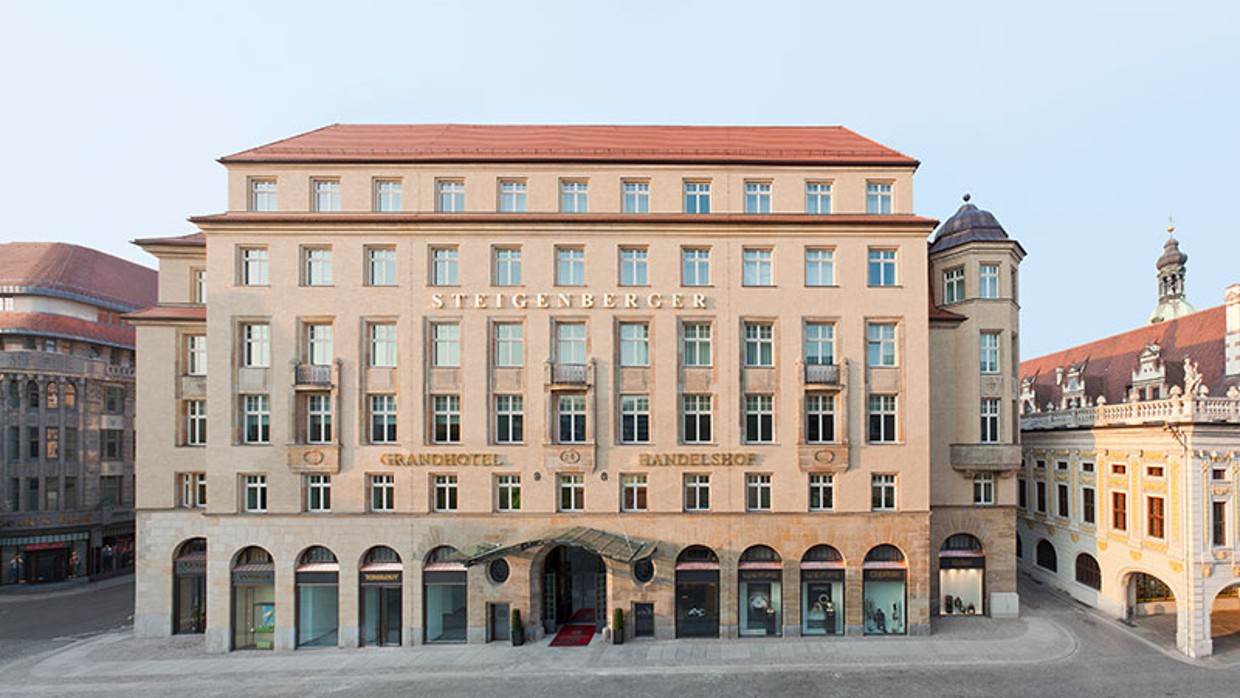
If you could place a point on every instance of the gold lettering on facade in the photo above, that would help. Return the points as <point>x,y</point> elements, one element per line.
<point>566,300</point>
<point>678,300</point>
<point>655,300</point>
<point>518,300</point>
<point>699,300</point>
<point>696,459</point>
<point>609,300</point>
<point>437,300</point>
<point>587,300</point>
<point>480,300</point>
<point>440,459</point>
<point>542,301</point>
<point>630,301</point>
<point>522,300</point>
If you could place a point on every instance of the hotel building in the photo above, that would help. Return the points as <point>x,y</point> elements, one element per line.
<point>1131,452</point>
<point>66,410</point>
<point>716,378</point>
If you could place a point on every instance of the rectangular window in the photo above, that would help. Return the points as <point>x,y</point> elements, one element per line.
<point>6,304</point>
<point>570,266</point>
<point>697,492</point>
<point>1040,497</point>
<point>634,344</point>
<point>696,410</point>
<point>696,350</point>
<point>1022,494</point>
<point>509,419</point>
<point>1154,471</point>
<point>818,197</point>
<point>880,344</point>
<point>984,489</point>
<point>759,344</point>
<point>382,492</point>
<point>446,337</point>
<point>570,343</point>
<point>633,266</point>
<point>574,197</point>
<point>193,490</point>
<point>444,266</point>
<point>1119,511</point>
<point>382,419</point>
<point>263,195</point>
<point>446,415</point>
<point>1063,508</point>
<point>572,488</point>
<point>821,492</point>
<point>34,443</point>
<point>1122,469</point>
<point>882,419</point>
<point>383,345</point>
<point>636,197</point>
<point>1218,524</point>
<point>253,266</point>
<point>110,490</point>
<point>509,344</point>
<point>196,355</point>
<point>113,399</point>
<point>326,195</point>
<point>819,343</point>
<point>988,281</point>
<point>319,344</point>
<point>71,444</point>
<point>388,195</point>
<point>256,352</point>
<point>512,196</point>
<point>757,492</point>
<point>451,195</point>
<point>988,352</point>
<point>51,443</point>
<point>317,268</point>
<point>882,268</point>
<point>882,492</point>
<point>878,197</point>
<point>695,266</point>
<point>507,266</point>
<point>697,197</point>
<point>445,493</point>
<point>819,267</point>
<point>113,443</point>
<point>990,420</point>
<point>380,266</point>
<point>318,418</point>
<point>255,493</point>
<point>198,292</point>
<point>571,410</point>
<point>634,419</point>
<point>319,493</point>
<point>819,418</point>
<point>759,419</point>
<point>1155,517</point>
<point>757,197</point>
<point>508,493</point>
<point>1087,467</point>
<point>953,286</point>
<point>633,493</point>
<point>756,269</point>
<point>195,422</point>
<point>257,419</point>
<point>1088,504</point>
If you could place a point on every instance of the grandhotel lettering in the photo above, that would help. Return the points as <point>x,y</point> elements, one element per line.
<point>695,459</point>
<point>586,301</point>
<point>441,459</point>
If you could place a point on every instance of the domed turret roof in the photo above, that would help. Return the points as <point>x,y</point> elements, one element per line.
<point>968,224</point>
<point>1171,254</point>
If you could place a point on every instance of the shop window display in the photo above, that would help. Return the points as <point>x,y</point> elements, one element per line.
<point>697,592</point>
<point>759,576</point>
<point>884,592</point>
<point>190,602</point>
<point>444,597</point>
<point>318,598</point>
<point>962,572</point>
<point>822,591</point>
<point>380,578</point>
<point>254,600</point>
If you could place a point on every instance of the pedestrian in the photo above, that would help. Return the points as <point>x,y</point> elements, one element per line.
<point>18,568</point>
<point>74,560</point>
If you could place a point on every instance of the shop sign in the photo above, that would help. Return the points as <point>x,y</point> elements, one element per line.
<point>962,563</point>
<point>444,577</point>
<point>193,567</point>
<point>583,301</point>
<point>697,576</point>
<point>317,577</point>
<point>45,546</point>
<point>441,459</point>
<point>253,579</point>
<point>822,575</point>
<point>379,578</point>
<point>697,459</point>
<point>883,575</point>
<point>759,575</point>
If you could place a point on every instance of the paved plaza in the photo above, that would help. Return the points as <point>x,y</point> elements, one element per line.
<point>1057,648</point>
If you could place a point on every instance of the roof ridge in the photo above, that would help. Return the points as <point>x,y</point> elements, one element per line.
<point>282,140</point>
<point>1174,322</point>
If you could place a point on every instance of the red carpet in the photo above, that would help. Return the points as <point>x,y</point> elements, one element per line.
<point>578,632</point>
<point>584,615</point>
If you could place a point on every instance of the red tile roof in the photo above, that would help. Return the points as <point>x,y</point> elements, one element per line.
<point>1111,361</point>
<point>77,271</point>
<point>191,240</point>
<point>551,217</point>
<point>170,312</point>
<point>67,327</point>
<point>821,145</point>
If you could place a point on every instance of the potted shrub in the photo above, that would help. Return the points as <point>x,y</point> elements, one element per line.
<point>617,626</point>
<point>518,630</point>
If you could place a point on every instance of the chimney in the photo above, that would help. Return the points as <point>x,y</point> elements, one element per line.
<point>1231,345</point>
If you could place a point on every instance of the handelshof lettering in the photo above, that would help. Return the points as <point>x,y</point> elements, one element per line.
<point>696,459</point>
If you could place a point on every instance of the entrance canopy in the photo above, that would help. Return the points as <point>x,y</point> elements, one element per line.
<point>609,545</point>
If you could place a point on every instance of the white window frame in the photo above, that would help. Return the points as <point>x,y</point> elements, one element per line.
<point>819,266</point>
<point>255,494</point>
<point>635,196</point>
<point>572,406</point>
<point>878,197</point>
<point>319,351</point>
<point>509,419</point>
<point>512,195</point>
<point>507,266</point>
<point>509,344</point>
<point>383,352</point>
<point>820,408</point>
<point>318,493</point>
<point>254,266</point>
<point>319,418</point>
<point>264,194</point>
<point>881,345</point>
<point>819,345</point>
<point>988,281</point>
<point>757,267</point>
<point>988,352</point>
<point>382,492</point>
<point>570,266</point>
<point>761,408</point>
<point>508,493</point>
<point>195,422</point>
<point>885,407</point>
<point>634,419</point>
<point>757,197</point>
<point>389,195</point>
<point>256,411</point>
<point>380,266</point>
<point>445,497</point>
<point>759,344</point>
<point>256,338</point>
<point>883,492</point>
<point>446,412</point>
<point>990,421</point>
<point>983,489</point>
<point>818,198</point>
<point>634,266</point>
<point>882,267</point>
<point>634,492</point>
<point>696,349</point>
<point>634,344</point>
<point>196,355</point>
<point>450,196</point>
<point>570,343</point>
<point>574,196</point>
<point>692,409</point>
<point>697,491</point>
<point>570,492</point>
<point>446,344</point>
<point>445,266</point>
<point>696,196</point>
<point>383,418</point>
<point>757,491</point>
<point>953,285</point>
<point>823,484</point>
<point>326,195</point>
<point>193,491</point>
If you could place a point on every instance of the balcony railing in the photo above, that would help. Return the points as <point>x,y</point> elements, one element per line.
<point>570,374</point>
<point>311,374</point>
<point>822,374</point>
<point>1176,410</point>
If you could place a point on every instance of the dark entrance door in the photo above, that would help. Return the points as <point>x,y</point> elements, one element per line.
<point>697,603</point>
<point>47,565</point>
<point>574,588</point>
<point>381,615</point>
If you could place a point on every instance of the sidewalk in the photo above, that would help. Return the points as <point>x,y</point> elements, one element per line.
<point>971,641</point>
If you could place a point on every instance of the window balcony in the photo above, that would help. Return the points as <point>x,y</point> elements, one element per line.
<point>985,458</point>
<point>315,377</point>
<point>570,374</point>
<point>822,374</point>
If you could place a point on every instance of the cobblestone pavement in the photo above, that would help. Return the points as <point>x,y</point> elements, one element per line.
<point>1057,648</point>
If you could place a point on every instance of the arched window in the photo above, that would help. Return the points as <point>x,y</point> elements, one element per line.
<point>884,553</point>
<point>70,396</point>
<point>317,554</point>
<point>53,396</point>
<point>15,394</point>
<point>1047,559</point>
<point>32,395</point>
<point>760,553</point>
<point>698,553</point>
<point>963,542</point>
<point>822,553</point>
<point>1088,572</point>
<point>380,554</point>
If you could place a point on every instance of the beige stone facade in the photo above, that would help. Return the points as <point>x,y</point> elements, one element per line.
<point>694,397</point>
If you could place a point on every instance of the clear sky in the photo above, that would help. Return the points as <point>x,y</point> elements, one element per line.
<point>1081,125</point>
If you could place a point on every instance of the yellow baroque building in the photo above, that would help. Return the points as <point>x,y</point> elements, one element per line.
<point>1131,450</point>
<point>650,381</point>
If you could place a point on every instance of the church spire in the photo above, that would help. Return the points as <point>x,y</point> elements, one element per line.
<point>1171,274</point>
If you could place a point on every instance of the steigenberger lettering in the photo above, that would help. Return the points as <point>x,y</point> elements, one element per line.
<point>697,459</point>
<point>581,301</point>
<point>441,459</point>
